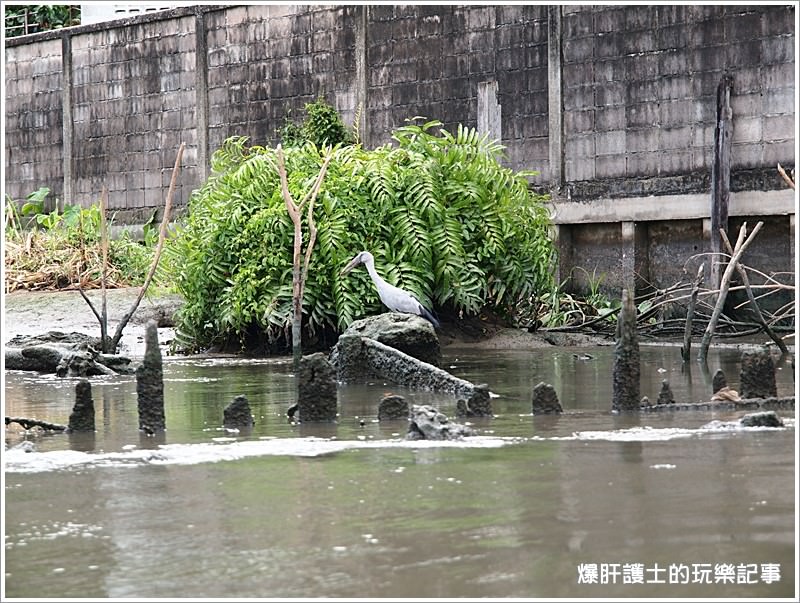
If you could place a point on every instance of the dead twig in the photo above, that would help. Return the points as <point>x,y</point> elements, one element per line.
<point>741,245</point>
<point>756,310</point>
<point>162,236</point>
<point>299,274</point>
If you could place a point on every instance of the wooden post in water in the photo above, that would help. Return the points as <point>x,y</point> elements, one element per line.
<point>150,384</point>
<point>626,386</point>
<point>721,175</point>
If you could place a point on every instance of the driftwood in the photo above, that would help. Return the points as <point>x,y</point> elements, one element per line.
<point>31,423</point>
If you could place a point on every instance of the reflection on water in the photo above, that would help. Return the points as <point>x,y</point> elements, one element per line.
<point>653,505</point>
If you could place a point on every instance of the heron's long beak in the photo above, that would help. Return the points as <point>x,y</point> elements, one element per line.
<point>353,263</point>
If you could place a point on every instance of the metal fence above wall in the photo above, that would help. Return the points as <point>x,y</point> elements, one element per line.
<point>30,19</point>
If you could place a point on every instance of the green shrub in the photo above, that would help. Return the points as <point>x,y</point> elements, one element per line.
<point>442,217</point>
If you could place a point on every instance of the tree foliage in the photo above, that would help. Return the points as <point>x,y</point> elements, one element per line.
<point>443,218</point>
<point>32,18</point>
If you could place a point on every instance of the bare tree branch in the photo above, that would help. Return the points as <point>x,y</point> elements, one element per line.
<point>162,235</point>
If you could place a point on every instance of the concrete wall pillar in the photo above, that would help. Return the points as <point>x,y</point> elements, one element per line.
<point>792,239</point>
<point>201,95</point>
<point>563,243</point>
<point>489,110</point>
<point>362,76</point>
<point>635,260</point>
<point>67,120</point>
<point>555,101</point>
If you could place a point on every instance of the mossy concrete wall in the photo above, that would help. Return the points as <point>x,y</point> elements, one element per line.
<point>613,106</point>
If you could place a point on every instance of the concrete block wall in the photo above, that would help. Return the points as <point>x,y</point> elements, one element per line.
<point>614,106</point>
<point>640,86</point>
<point>265,62</point>
<point>34,120</point>
<point>132,105</point>
<point>429,61</point>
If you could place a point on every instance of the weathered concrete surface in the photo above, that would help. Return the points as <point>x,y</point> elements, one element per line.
<point>412,335</point>
<point>150,384</point>
<point>392,407</point>
<point>545,400</point>
<point>82,416</point>
<point>762,419</point>
<point>359,358</point>
<point>237,414</point>
<point>479,404</point>
<point>316,389</point>
<point>427,423</point>
<point>626,371</point>
<point>757,375</point>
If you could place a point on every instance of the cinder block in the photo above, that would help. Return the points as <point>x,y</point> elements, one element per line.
<point>777,128</point>
<point>579,121</point>
<point>581,146</point>
<point>577,50</point>
<point>578,24</point>
<point>779,152</point>
<point>481,18</point>
<point>610,143</point>
<point>780,101</point>
<point>747,155</point>
<point>670,139</point>
<point>609,118</point>
<point>747,129</point>
<point>610,166</point>
<point>749,105</point>
<point>579,169</point>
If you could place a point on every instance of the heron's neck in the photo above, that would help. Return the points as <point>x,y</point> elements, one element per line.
<point>374,273</point>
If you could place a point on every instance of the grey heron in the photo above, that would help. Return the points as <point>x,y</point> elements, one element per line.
<point>392,297</point>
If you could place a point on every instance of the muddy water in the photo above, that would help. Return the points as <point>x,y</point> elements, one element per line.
<point>583,505</point>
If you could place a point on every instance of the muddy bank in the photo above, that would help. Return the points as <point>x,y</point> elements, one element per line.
<point>30,313</point>
<point>34,312</point>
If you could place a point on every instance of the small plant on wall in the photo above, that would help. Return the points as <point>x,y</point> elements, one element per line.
<point>322,125</point>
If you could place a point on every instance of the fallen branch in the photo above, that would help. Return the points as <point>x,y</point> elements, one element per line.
<point>741,245</point>
<point>756,310</point>
<point>162,236</point>
<point>31,423</point>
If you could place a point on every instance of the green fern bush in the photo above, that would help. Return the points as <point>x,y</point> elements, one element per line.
<point>442,217</point>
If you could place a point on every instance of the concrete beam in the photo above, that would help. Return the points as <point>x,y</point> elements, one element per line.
<point>671,207</point>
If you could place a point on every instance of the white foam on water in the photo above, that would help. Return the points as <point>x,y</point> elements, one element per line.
<point>653,434</point>
<point>23,460</point>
